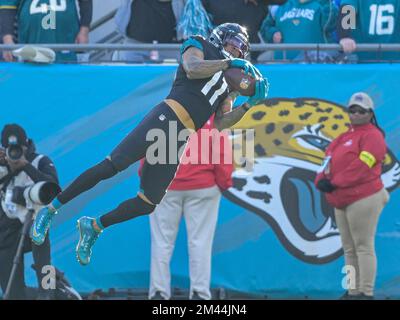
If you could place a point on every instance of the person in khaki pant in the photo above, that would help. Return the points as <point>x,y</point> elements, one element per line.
<point>194,195</point>
<point>350,177</point>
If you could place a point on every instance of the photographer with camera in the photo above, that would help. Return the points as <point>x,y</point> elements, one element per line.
<point>28,181</point>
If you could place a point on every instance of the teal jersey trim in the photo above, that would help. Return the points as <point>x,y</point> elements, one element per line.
<point>191,42</point>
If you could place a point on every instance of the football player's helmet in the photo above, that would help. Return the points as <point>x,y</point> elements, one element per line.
<point>233,34</point>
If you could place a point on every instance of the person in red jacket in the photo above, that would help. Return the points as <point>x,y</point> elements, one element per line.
<point>350,177</point>
<point>195,193</point>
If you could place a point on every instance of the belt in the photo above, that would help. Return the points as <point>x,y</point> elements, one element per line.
<point>181,113</point>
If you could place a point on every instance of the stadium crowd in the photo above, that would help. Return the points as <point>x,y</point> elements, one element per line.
<point>173,21</point>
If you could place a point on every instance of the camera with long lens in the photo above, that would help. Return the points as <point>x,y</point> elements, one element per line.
<point>18,200</point>
<point>14,150</point>
<point>40,194</point>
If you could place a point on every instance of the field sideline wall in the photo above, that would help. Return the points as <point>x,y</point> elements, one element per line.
<point>285,244</point>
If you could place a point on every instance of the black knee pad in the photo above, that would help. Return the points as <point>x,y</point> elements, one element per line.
<point>106,169</point>
<point>142,206</point>
<point>119,161</point>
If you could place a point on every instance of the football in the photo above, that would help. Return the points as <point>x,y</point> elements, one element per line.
<point>237,80</point>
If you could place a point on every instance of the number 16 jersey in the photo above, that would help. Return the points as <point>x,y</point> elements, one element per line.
<point>377,21</point>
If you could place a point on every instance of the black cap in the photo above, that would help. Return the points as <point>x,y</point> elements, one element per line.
<point>13,130</point>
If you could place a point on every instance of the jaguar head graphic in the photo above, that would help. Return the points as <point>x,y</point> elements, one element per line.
<point>291,136</point>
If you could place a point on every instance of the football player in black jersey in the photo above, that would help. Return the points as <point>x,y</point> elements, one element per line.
<point>198,91</point>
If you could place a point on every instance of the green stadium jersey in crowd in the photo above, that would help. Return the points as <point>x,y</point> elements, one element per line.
<point>377,21</point>
<point>36,23</point>
<point>301,21</point>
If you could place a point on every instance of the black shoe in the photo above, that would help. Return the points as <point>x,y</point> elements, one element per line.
<point>157,296</point>
<point>196,296</point>
<point>347,296</point>
<point>363,296</point>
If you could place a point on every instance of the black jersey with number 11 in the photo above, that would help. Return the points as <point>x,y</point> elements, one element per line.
<point>200,97</point>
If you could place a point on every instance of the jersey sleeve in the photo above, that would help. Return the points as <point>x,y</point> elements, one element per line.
<point>320,175</point>
<point>191,42</point>
<point>268,26</point>
<point>9,4</point>
<point>373,149</point>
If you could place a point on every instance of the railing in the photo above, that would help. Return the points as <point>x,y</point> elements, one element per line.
<point>98,51</point>
<point>254,47</point>
<point>103,20</point>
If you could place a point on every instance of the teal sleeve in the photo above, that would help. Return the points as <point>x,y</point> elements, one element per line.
<point>268,28</point>
<point>9,4</point>
<point>191,42</point>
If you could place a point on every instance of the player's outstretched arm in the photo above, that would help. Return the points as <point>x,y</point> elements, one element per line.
<point>197,68</point>
<point>226,120</point>
<point>225,117</point>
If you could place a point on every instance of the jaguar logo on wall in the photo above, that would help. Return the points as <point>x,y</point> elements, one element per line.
<point>291,136</point>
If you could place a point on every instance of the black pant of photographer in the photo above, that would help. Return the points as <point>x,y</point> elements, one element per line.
<point>12,277</point>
